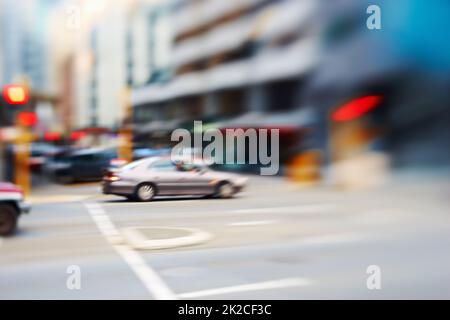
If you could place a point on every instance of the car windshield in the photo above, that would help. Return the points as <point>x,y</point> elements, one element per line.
<point>133,165</point>
<point>164,165</point>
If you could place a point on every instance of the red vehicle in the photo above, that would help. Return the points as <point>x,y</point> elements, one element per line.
<point>12,205</point>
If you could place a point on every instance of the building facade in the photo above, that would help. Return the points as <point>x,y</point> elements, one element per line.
<point>234,64</point>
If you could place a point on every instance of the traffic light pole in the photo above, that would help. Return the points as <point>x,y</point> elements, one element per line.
<point>19,95</point>
<point>22,175</point>
<point>125,150</point>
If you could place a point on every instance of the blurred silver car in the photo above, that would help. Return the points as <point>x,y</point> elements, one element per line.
<point>144,179</point>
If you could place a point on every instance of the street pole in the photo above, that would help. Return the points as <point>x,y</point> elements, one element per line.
<point>22,148</point>
<point>22,151</point>
<point>125,150</point>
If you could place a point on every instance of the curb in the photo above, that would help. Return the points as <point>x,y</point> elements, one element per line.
<point>134,237</point>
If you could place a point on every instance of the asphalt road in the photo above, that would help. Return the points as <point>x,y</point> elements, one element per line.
<point>274,241</point>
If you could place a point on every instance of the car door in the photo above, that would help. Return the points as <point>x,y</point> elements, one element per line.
<point>163,173</point>
<point>82,166</point>
<point>193,180</point>
<point>92,165</point>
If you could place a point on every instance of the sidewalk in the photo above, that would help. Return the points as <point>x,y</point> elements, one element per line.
<point>48,192</point>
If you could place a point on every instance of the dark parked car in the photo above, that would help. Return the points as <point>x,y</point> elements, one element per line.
<point>40,153</point>
<point>84,165</point>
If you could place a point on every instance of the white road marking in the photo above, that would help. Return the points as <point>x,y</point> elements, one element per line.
<point>251,223</point>
<point>152,281</point>
<point>299,209</point>
<point>333,238</point>
<point>276,284</point>
<point>154,284</point>
<point>311,208</point>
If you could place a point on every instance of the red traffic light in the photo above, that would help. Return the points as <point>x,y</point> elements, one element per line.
<point>16,94</point>
<point>27,118</point>
<point>356,108</point>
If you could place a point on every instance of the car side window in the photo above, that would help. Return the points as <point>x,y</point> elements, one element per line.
<point>162,166</point>
<point>190,168</point>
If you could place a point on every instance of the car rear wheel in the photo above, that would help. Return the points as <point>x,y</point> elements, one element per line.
<point>145,192</point>
<point>8,219</point>
<point>225,190</point>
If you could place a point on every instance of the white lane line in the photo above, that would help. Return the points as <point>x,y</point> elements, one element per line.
<point>333,238</point>
<point>299,209</point>
<point>276,284</point>
<point>251,223</point>
<point>151,280</point>
<point>312,208</point>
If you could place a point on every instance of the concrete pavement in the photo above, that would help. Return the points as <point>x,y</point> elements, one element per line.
<point>275,241</point>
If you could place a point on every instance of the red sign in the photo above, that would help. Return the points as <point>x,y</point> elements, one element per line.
<point>356,108</point>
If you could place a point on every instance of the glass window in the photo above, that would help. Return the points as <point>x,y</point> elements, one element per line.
<point>133,165</point>
<point>162,166</point>
<point>83,158</point>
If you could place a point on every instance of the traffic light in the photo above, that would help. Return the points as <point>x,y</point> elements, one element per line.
<point>16,94</point>
<point>27,118</point>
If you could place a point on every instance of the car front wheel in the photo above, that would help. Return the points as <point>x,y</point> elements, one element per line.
<point>8,219</point>
<point>145,192</point>
<point>225,190</point>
